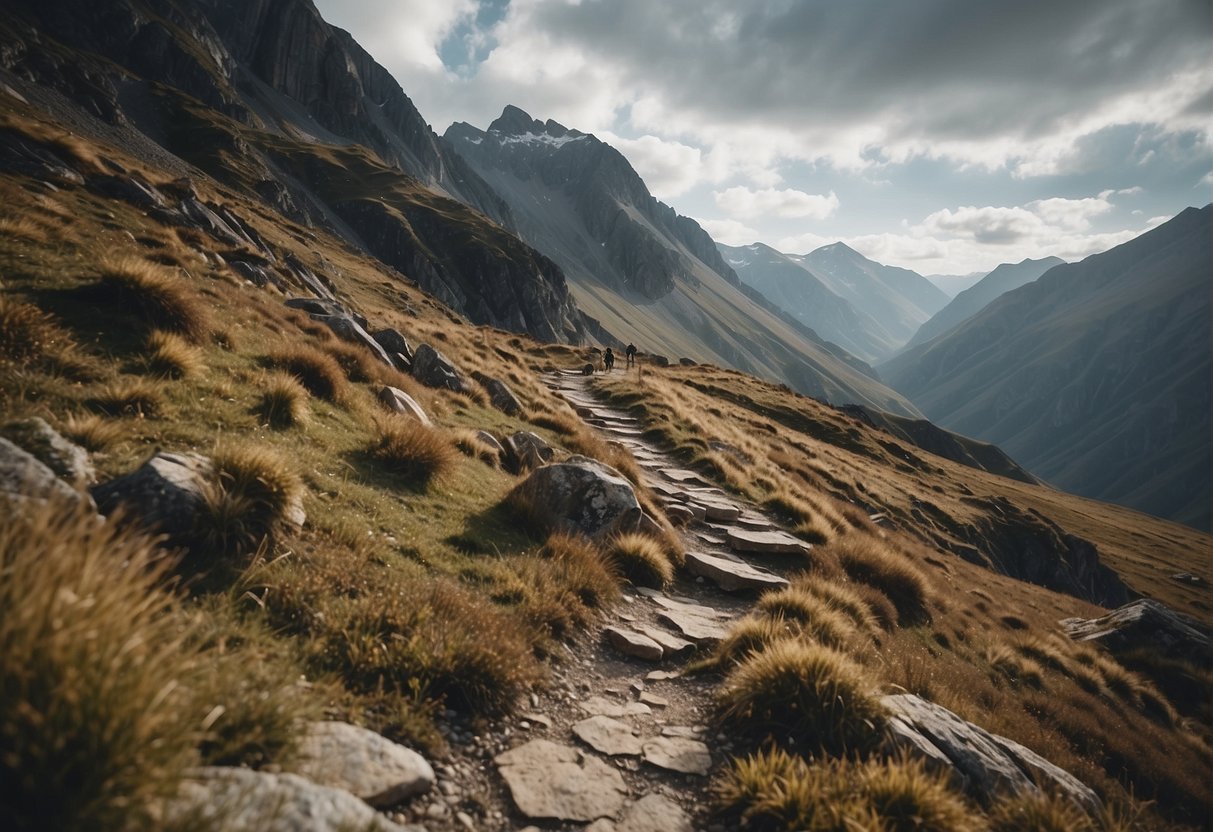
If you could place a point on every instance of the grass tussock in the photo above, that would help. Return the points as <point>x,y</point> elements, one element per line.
<point>356,362</point>
<point>815,520</point>
<point>284,402</point>
<point>91,431</point>
<point>171,356</point>
<point>156,298</point>
<point>807,694</point>
<point>31,338</point>
<point>412,451</point>
<point>776,791</point>
<point>875,562</point>
<point>471,444</point>
<point>93,694</point>
<point>844,598</point>
<point>140,398</point>
<point>563,423</point>
<point>562,589</point>
<point>642,559</point>
<point>253,494</point>
<point>1041,812</point>
<point>814,618</point>
<point>24,228</point>
<point>317,371</point>
<point>750,635</point>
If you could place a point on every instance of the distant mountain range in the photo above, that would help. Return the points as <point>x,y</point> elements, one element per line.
<point>1095,377</point>
<point>953,284</point>
<point>971,301</point>
<point>645,274</point>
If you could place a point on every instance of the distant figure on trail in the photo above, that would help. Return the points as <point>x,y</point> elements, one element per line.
<point>609,359</point>
<point>630,352</point>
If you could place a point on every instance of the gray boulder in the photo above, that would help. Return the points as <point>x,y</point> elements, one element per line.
<point>984,764</point>
<point>397,347</point>
<point>1147,625</point>
<point>348,329</point>
<point>398,401</point>
<point>363,763</point>
<point>581,495</point>
<point>321,306</point>
<point>165,493</point>
<point>547,780</point>
<point>242,800</point>
<point>68,460</point>
<point>500,395</point>
<point>525,451</point>
<point>22,476</point>
<point>433,369</point>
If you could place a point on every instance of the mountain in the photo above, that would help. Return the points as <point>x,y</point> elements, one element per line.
<point>794,288</point>
<point>898,299</point>
<point>1095,377</point>
<point>273,102</point>
<point>644,273</point>
<point>1003,279</point>
<point>953,284</point>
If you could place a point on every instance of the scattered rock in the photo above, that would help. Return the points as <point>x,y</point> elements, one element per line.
<point>242,800</point>
<point>581,495</point>
<point>601,706</point>
<point>702,625</point>
<point>348,329</point>
<point>164,494</point>
<point>685,731</point>
<point>607,736</point>
<point>1188,578</point>
<point>678,754</point>
<point>525,451</point>
<point>652,813</point>
<point>632,643</point>
<point>984,764</point>
<point>678,514</point>
<point>765,542</point>
<point>23,476</point>
<point>1147,625</point>
<point>433,369</point>
<point>363,763</point>
<point>731,574</point>
<point>661,675</point>
<point>500,394</point>
<point>398,401</point>
<point>323,306</point>
<point>547,780</point>
<point>659,360</point>
<point>653,700</point>
<point>66,459</point>
<point>671,644</point>
<point>395,344</point>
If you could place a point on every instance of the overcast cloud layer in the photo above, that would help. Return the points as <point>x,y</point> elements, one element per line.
<point>946,136</point>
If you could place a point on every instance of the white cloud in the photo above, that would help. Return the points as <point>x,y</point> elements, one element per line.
<point>668,168</point>
<point>1074,214</point>
<point>988,225</point>
<point>770,202</point>
<point>729,232</point>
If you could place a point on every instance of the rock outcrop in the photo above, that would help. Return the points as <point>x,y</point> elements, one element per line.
<point>433,369</point>
<point>164,494</point>
<point>66,459</point>
<point>580,495</point>
<point>23,476</point>
<point>363,763</point>
<point>1145,625</point>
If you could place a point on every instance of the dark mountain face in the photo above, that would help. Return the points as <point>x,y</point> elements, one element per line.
<point>1096,377</point>
<point>1003,279</point>
<point>644,273</point>
<point>898,299</point>
<point>793,287</point>
<point>270,100</point>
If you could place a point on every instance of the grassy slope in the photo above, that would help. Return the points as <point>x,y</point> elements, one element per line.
<point>328,599</point>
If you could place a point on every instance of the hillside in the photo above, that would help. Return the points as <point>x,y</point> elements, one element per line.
<point>970,301</point>
<point>1094,377</point>
<point>792,287</point>
<point>645,274</point>
<point>898,299</point>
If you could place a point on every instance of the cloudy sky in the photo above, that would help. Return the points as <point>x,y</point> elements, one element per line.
<point>946,136</point>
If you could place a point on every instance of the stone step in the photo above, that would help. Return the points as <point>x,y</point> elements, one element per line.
<point>732,574</point>
<point>774,542</point>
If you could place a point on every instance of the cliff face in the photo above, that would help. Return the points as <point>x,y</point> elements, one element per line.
<point>271,100</point>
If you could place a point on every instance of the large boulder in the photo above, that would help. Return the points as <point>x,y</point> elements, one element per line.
<point>984,764</point>
<point>22,476</point>
<point>397,347</point>
<point>68,460</point>
<point>525,451</point>
<point>363,763</point>
<point>1144,625</point>
<point>500,395</point>
<point>433,369</point>
<point>580,495</point>
<point>348,329</point>
<point>323,306</point>
<point>398,401</point>
<point>165,494</point>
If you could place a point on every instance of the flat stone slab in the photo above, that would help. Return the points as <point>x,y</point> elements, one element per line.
<point>730,574</point>
<point>632,643</point>
<point>680,754</point>
<point>698,623</point>
<point>601,706</point>
<point>608,736</point>
<point>683,475</point>
<point>362,763</point>
<point>653,700</point>
<point>671,644</point>
<point>765,542</point>
<point>754,522</point>
<point>549,780</point>
<point>652,813</point>
<point>719,511</point>
<point>690,732</point>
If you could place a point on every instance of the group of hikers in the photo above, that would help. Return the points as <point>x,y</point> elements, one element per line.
<point>608,359</point>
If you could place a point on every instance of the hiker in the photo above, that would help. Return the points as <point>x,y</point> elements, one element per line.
<point>609,359</point>
<point>631,354</point>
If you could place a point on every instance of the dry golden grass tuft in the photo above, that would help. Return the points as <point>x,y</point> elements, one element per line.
<point>139,397</point>
<point>92,702</point>
<point>642,559</point>
<point>171,356</point>
<point>317,371</point>
<point>814,618</point>
<point>411,451</point>
<point>157,298</point>
<point>561,422</point>
<point>776,791</point>
<point>30,337</point>
<point>562,588</point>
<point>91,431</point>
<point>25,228</point>
<point>751,634</point>
<point>813,518</point>
<point>1040,812</point>
<point>252,496</point>
<point>356,362</point>
<point>842,597</point>
<point>876,562</point>
<point>471,444</point>
<point>1019,669</point>
<point>801,693</point>
<point>284,401</point>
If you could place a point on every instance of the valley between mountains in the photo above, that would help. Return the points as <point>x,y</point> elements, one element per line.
<point>321,507</point>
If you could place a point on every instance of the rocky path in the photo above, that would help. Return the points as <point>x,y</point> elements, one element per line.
<point>622,741</point>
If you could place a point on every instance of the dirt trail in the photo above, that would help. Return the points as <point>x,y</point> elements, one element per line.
<point>651,725</point>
